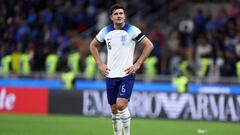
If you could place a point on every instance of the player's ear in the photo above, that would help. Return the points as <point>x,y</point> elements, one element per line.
<point>125,15</point>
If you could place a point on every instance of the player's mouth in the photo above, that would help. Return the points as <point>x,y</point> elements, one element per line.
<point>120,20</point>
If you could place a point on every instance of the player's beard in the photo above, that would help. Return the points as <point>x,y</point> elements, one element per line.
<point>120,23</point>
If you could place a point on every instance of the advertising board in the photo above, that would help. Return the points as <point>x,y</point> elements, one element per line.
<point>219,107</point>
<point>23,100</point>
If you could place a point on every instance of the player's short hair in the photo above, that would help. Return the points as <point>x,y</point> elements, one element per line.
<point>116,6</point>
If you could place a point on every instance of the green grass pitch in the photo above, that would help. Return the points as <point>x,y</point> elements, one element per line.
<point>79,125</point>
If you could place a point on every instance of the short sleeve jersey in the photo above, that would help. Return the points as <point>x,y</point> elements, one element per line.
<point>120,46</point>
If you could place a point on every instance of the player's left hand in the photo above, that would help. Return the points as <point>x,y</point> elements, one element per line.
<point>133,69</point>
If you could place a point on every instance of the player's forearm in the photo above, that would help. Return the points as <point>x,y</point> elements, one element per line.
<point>94,51</point>
<point>148,47</point>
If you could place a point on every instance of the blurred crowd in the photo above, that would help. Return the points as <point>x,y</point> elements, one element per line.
<point>194,42</point>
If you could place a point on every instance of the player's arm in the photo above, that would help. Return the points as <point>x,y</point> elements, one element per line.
<point>148,46</point>
<point>95,53</point>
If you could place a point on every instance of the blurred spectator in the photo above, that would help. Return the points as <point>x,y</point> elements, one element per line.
<point>102,19</point>
<point>174,51</point>
<point>203,56</point>
<point>25,63</point>
<point>159,51</point>
<point>228,69</point>
<point>182,40</point>
<point>68,79</point>
<point>180,83</point>
<point>51,63</point>
<point>91,68</point>
<point>6,65</point>
<point>150,68</point>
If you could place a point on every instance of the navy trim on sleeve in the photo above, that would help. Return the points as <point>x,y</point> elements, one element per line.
<point>139,37</point>
<point>98,41</point>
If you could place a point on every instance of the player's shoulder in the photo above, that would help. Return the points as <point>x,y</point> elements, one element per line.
<point>132,30</point>
<point>132,26</point>
<point>128,27</point>
<point>107,28</point>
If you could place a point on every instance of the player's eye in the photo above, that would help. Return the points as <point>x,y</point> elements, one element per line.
<point>118,13</point>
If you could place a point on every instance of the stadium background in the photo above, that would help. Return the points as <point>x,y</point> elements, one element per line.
<point>196,38</point>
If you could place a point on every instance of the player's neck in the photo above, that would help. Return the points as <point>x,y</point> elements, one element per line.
<point>119,26</point>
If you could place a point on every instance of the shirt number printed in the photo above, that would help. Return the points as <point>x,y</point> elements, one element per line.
<point>123,88</point>
<point>109,46</point>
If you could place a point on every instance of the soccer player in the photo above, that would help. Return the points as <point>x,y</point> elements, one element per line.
<point>120,38</point>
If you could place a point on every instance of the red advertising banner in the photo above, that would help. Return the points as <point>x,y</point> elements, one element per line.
<point>23,100</point>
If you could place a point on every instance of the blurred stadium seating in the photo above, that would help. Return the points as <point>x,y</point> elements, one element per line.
<point>182,31</point>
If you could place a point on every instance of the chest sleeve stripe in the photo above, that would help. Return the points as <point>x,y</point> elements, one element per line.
<point>139,37</point>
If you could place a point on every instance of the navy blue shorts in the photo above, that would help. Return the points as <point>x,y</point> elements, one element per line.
<point>119,87</point>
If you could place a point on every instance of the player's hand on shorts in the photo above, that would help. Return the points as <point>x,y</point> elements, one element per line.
<point>104,69</point>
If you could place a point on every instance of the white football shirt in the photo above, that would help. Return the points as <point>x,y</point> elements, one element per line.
<point>120,45</point>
